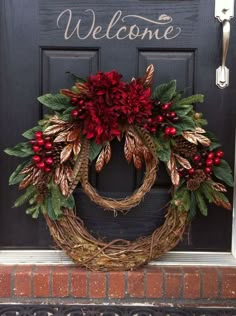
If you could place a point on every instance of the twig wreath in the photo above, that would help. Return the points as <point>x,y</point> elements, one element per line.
<point>156,126</point>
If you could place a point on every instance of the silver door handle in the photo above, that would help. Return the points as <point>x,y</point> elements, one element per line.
<point>222,73</point>
<point>224,12</point>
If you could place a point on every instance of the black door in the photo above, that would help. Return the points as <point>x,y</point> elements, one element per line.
<point>41,41</point>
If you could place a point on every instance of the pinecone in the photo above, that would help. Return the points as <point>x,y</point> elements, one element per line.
<point>42,184</point>
<point>193,184</point>
<point>196,180</point>
<point>56,152</point>
<point>184,147</point>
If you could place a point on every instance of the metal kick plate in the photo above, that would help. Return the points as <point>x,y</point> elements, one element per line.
<point>224,9</point>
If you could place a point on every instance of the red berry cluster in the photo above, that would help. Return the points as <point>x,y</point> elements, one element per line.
<point>41,147</point>
<point>164,117</point>
<point>204,161</point>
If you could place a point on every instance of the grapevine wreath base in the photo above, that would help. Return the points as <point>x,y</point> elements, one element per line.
<point>71,235</point>
<point>158,126</point>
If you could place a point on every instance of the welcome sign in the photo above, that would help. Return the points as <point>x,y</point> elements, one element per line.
<point>120,26</point>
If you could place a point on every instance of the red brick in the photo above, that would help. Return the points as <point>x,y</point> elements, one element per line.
<point>228,282</point>
<point>173,282</point>
<point>23,281</point>
<point>191,283</point>
<point>60,276</point>
<point>5,281</point>
<point>97,285</point>
<point>210,283</point>
<point>116,285</point>
<point>78,283</point>
<point>154,283</point>
<point>136,284</point>
<point>41,281</point>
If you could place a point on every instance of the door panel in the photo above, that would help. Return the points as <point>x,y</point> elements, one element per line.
<point>181,38</point>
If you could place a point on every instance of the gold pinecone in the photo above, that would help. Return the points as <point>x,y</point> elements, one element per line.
<point>184,147</point>
<point>200,175</point>
<point>42,184</point>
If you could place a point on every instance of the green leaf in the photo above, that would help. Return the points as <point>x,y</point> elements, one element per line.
<point>207,190</point>
<point>68,110</point>
<point>196,98</point>
<point>185,123</point>
<point>201,202</point>
<point>165,92</point>
<point>50,209</point>
<point>69,202</point>
<point>193,206</point>
<point>29,193</point>
<point>181,112</point>
<point>214,141</point>
<point>56,200</point>
<point>56,102</point>
<point>20,150</point>
<point>29,134</point>
<point>224,173</point>
<point>163,149</point>
<point>94,150</point>
<point>15,177</point>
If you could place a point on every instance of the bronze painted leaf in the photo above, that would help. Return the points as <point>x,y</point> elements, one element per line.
<point>77,147</point>
<point>61,137</point>
<point>27,169</point>
<point>26,181</point>
<point>73,135</point>
<point>183,162</point>
<point>107,150</point>
<point>203,140</point>
<point>53,129</point>
<point>171,165</point>
<point>66,152</point>
<point>190,136</point>
<point>200,130</point>
<point>69,93</point>
<point>219,187</point>
<point>148,77</point>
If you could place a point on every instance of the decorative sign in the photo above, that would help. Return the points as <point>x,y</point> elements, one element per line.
<point>120,27</point>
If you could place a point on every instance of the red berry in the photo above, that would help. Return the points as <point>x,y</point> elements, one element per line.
<point>48,138</point>
<point>40,141</point>
<point>73,101</point>
<point>36,159</point>
<point>175,119</point>
<point>38,134</point>
<point>211,155</point>
<point>172,131</point>
<point>49,161</point>
<point>48,145</point>
<point>167,130</point>
<point>208,170</point>
<point>41,165</point>
<point>47,169</point>
<point>74,113</point>
<point>36,149</point>
<point>159,119</point>
<point>191,171</point>
<point>196,158</point>
<point>149,120</point>
<point>209,162</point>
<point>32,141</point>
<point>217,161</point>
<point>166,106</point>
<point>172,114</point>
<point>200,164</point>
<point>153,130</point>
<point>219,154</point>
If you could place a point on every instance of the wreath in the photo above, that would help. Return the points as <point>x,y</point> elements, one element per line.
<point>158,125</point>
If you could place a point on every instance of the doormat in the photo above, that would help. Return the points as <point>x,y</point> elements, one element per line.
<point>98,310</point>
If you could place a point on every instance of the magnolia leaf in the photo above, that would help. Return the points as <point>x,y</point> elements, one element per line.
<point>77,147</point>
<point>191,137</point>
<point>53,129</point>
<point>196,98</point>
<point>16,177</point>
<point>185,123</point>
<point>171,165</point>
<point>165,92</point>
<point>72,135</point>
<point>56,102</point>
<point>223,172</point>
<point>69,202</point>
<point>203,140</point>
<point>29,134</point>
<point>65,153</point>
<point>201,203</point>
<point>183,162</point>
<point>56,199</point>
<point>20,150</point>
<point>94,150</point>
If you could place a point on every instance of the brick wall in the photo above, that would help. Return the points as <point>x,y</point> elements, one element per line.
<point>214,286</point>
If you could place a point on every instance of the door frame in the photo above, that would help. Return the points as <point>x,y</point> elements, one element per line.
<point>171,258</point>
